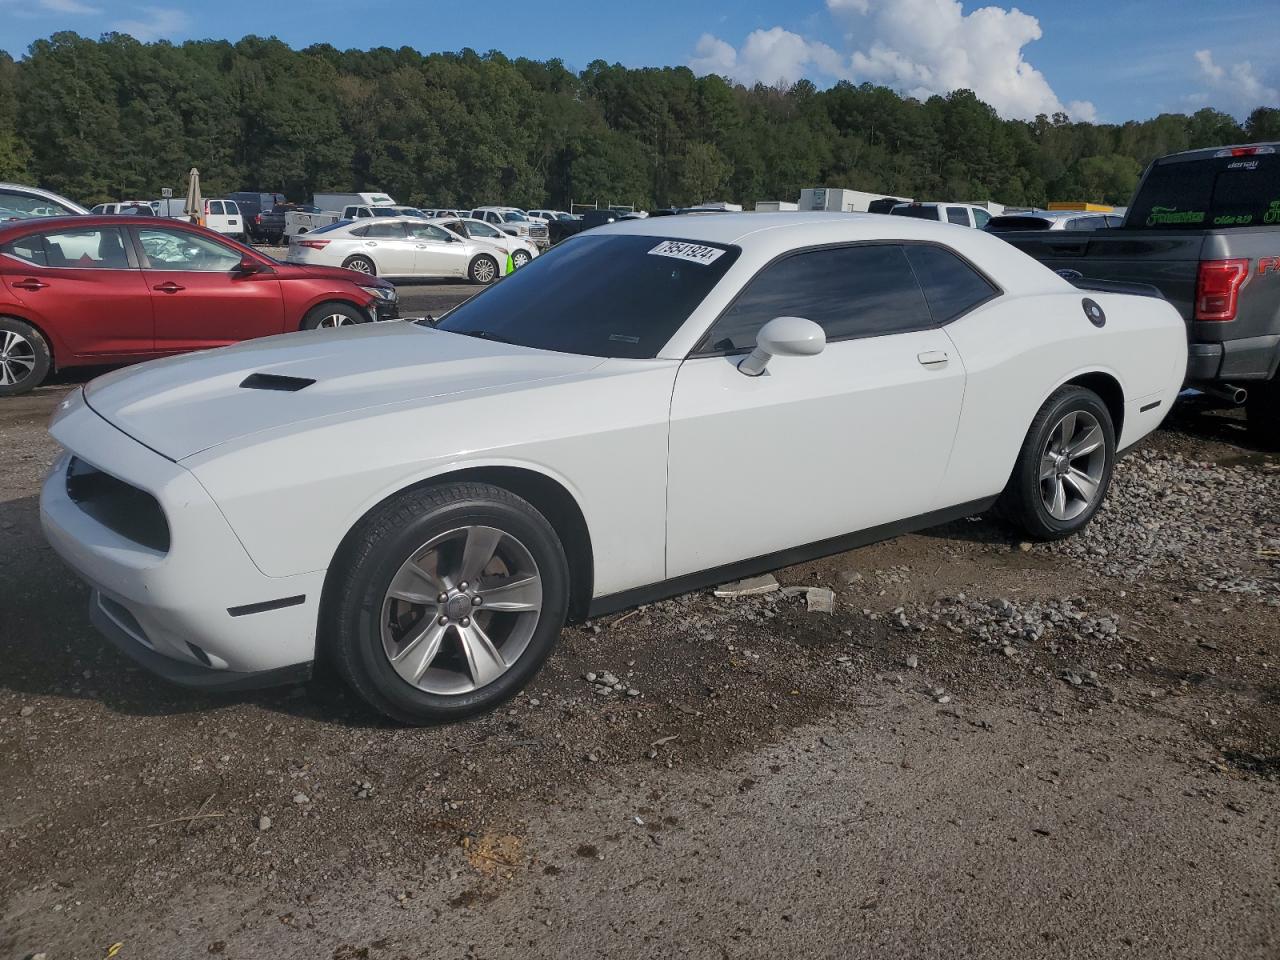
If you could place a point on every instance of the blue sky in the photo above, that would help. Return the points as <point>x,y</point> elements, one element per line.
<point>1110,60</point>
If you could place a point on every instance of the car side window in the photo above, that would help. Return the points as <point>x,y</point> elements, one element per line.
<point>428,231</point>
<point>950,285</point>
<point>858,291</point>
<point>233,208</point>
<point>180,250</point>
<point>980,218</point>
<point>27,205</point>
<point>1084,223</point>
<point>384,231</point>
<point>958,215</point>
<point>215,208</point>
<point>99,248</point>
<point>483,230</point>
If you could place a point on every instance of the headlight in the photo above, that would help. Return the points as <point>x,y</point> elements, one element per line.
<point>382,293</point>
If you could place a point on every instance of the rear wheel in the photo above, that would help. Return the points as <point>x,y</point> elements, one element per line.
<point>24,357</point>
<point>1263,413</point>
<point>483,269</point>
<point>445,602</point>
<point>330,315</point>
<point>1064,467</point>
<point>361,265</point>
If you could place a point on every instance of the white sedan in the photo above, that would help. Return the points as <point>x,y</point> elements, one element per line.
<point>651,407</point>
<point>520,250</point>
<point>400,247</point>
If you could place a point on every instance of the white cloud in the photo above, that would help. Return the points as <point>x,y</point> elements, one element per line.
<point>68,6</point>
<point>160,23</point>
<point>767,56</point>
<point>1236,88</point>
<point>921,47</point>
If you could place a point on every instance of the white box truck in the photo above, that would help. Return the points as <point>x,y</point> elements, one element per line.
<point>847,201</point>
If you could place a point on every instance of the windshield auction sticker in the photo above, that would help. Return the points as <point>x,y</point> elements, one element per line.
<point>681,250</point>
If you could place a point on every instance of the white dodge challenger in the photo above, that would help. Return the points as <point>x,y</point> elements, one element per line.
<point>649,408</point>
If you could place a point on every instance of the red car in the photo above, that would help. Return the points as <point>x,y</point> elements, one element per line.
<point>84,290</point>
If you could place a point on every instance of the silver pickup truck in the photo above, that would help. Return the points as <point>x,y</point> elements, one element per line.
<point>1203,228</point>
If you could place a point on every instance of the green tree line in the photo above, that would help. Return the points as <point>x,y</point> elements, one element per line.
<point>115,119</point>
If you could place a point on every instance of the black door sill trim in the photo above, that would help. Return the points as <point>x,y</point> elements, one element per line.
<point>266,605</point>
<point>783,558</point>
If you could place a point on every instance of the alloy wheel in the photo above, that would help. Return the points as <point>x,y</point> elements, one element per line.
<point>17,358</point>
<point>1072,465</point>
<point>484,270</point>
<point>461,610</point>
<point>361,265</point>
<point>335,320</point>
<point>519,259</point>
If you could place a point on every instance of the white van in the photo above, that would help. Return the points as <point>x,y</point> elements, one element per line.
<point>220,216</point>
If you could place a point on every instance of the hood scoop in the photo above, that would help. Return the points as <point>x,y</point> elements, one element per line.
<point>274,381</point>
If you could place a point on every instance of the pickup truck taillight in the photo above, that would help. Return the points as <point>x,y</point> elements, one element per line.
<point>1218,288</point>
<point>313,244</point>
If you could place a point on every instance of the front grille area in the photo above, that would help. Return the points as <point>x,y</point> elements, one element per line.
<point>121,507</point>
<point>538,230</point>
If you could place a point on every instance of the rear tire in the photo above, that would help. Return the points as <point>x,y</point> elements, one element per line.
<point>332,315</point>
<point>361,265</point>
<point>483,269</point>
<point>25,357</point>
<point>1262,412</point>
<point>1064,467</point>
<point>419,659</point>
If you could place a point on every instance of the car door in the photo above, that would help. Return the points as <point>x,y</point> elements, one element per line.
<point>389,244</point>
<point>437,252</point>
<point>199,296</point>
<point>855,437</point>
<point>235,220</point>
<point>82,287</point>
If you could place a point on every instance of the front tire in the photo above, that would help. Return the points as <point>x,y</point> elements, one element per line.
<point>520,259</point>
<point>25,358</point>
<point>483,269</point>
<point>329,316</point>
<point>1064,467</point>
<point>445,602</point>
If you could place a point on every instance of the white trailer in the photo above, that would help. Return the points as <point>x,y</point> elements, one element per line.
<point>776,206</point>
<point>843,201</point>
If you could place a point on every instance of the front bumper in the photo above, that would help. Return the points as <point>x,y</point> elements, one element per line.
<point>200,613</point>
<point>380,309</point>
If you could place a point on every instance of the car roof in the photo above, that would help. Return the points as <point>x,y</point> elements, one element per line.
<point>763,237</point>
<point>1059,214</point>
<point>85,221</point>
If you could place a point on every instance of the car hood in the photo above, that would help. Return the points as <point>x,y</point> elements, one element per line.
<point>291,271</point>
<point>184,405</point>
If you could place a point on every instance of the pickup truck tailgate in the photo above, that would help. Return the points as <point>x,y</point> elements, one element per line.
<point>1168,261</point>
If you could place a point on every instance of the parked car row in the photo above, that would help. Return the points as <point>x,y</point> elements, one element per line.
<point>91,290</point>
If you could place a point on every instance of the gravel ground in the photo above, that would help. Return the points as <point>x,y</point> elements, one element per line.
<point>986,748</point>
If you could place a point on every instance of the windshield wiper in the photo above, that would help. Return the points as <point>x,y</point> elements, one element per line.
<point>485,335</point>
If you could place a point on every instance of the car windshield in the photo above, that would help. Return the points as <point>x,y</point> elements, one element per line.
<point>513,215</point>
<point>1218,192</point>
<point>336,225</point>
<point>603,296</point>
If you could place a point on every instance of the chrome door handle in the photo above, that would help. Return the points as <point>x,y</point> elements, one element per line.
<point>932,358</point>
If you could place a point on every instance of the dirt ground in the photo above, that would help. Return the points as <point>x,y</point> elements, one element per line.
<point>989,749</point>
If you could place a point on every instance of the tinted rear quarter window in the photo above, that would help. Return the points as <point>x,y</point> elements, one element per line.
<point>958,215</point>
<point>1214,193</point>
<point>859,291</point>
<point>950,285</point>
